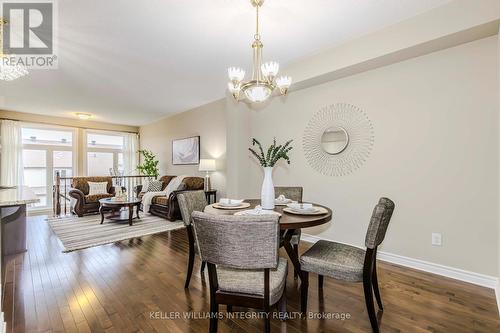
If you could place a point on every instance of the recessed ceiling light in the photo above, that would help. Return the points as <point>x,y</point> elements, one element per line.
<point>84,116</point>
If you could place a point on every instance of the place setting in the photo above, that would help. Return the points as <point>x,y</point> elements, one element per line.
<point>257,211</point>
<point>231,204</point>
<point>282,204</point>
<point>304,209</point>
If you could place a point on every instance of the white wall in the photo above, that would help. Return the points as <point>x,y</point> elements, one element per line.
<point>436,126</point>
<point>498,170</point>
<point>435,121</point>
<point>209,122</point>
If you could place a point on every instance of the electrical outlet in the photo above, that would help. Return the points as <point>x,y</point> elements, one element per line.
<point>437,239</point>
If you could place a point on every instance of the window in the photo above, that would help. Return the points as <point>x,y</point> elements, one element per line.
<point>35,173</point>
<point>104,153</point>
<point>63,162</point>
<point>45,151</point>
<point>99,164</point>
<point>95,140</point>
<point>39,136</point>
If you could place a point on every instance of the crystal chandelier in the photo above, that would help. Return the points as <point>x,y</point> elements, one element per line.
<point>8,71</point>
<point>264,76</point>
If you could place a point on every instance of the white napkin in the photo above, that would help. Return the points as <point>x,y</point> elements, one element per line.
<point>301,206</point>
<point>258,211</point>
<point>226,201</point>
<point>281,198</point>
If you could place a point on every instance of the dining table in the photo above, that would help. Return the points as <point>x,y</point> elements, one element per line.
<point>289,223</point>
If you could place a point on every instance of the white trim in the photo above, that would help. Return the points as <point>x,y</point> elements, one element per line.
<point>451,272</point>
<point>497,294</point>
<point>39,211</point>
<point>3,325</point>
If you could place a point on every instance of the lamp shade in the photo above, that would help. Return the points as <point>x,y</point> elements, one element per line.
<point>207,165</point>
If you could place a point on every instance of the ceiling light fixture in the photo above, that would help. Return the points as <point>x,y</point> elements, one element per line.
<point>8,70</point>
<point>84,116</point>
<point>264,80</point>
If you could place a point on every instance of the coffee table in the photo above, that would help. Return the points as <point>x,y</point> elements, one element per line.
<point>115,207</point>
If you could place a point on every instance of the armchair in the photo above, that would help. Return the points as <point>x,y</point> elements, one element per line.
<point>85,203</point>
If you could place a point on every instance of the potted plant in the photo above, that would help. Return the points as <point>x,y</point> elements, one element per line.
<point>268,161</point>
<point>150,165</point>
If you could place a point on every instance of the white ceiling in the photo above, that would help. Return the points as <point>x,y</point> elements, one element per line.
<point>132,62</point>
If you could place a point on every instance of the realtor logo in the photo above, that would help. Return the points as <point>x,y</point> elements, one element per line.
<point>28,34</point>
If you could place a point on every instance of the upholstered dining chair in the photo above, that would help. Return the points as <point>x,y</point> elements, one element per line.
<point>293,193</point>
<point>188,203</point>
<point>349,263</point>
<point>243,263</point>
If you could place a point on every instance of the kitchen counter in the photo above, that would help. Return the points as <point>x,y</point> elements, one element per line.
<point>13,203</point>
<point>17,196</point>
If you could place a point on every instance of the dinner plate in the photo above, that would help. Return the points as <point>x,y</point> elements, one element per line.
<point>317,211</point>
<point>240,206</point>
<point>233,204</point>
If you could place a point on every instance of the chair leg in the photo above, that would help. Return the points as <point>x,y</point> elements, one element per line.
<point>296,250</point>
<point>190,266</point>
<point>304,286</point>
<point>282,305</point>
<point>267,323</point>
<point>203,264</point>
<point>375,286</point>
<point>320,281</point>
<point>370,307</point>
<point>214,309</point>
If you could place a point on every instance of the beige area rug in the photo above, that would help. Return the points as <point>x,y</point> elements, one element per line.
<point>78,233</point>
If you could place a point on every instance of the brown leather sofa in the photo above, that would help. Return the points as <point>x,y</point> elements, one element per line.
<point>85,203</point>
<point>168,207</point>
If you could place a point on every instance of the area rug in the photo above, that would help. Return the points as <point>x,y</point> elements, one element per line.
<point>76,233</point>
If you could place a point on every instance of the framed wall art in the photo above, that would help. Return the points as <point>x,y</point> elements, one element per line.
<point>186,151</point>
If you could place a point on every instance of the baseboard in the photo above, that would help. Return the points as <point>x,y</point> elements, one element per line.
<point>497,294</point>
<point>37,212</point>
<point>451,272</point>
<point>3,325</point>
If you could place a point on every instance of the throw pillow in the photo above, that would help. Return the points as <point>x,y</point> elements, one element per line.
<point>98,188</point>
<point>154,186</point>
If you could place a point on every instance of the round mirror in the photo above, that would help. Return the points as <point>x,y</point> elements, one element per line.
<point>334,140</point>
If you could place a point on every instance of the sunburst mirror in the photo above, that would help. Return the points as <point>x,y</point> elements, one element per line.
<point>338,139</point>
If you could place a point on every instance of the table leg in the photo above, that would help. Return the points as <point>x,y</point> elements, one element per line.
<point>137,207</point>
<point>289,250</point>
<point>130,214</point>
<point>101,210</point>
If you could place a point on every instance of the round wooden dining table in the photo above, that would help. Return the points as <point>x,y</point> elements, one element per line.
<point>288,224</point>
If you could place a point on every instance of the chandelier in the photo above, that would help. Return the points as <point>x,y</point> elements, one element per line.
<point>264,75</point>
<point>8,70</point>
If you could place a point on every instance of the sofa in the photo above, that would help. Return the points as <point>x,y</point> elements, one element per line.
<point>168,207</point>
<point>84,203</point>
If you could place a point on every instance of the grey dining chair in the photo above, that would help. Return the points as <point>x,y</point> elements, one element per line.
<point>294,193</point>
<point>243,263</point>
<point>189,202</point>
<point>349,263</point>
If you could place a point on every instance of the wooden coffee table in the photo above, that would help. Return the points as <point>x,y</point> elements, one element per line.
<point>115,207</point>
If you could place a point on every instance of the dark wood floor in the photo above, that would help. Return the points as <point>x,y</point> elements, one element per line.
<point>116,287</point>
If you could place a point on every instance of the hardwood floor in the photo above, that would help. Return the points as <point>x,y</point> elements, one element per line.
<point>137,286</point>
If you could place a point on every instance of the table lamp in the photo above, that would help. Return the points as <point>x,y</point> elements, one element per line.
<point>207,165</point>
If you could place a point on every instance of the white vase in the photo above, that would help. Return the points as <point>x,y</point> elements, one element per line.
<point>267,193</point>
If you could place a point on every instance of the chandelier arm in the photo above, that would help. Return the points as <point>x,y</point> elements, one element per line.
<point>2,22</point>
<point>257,35</point>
